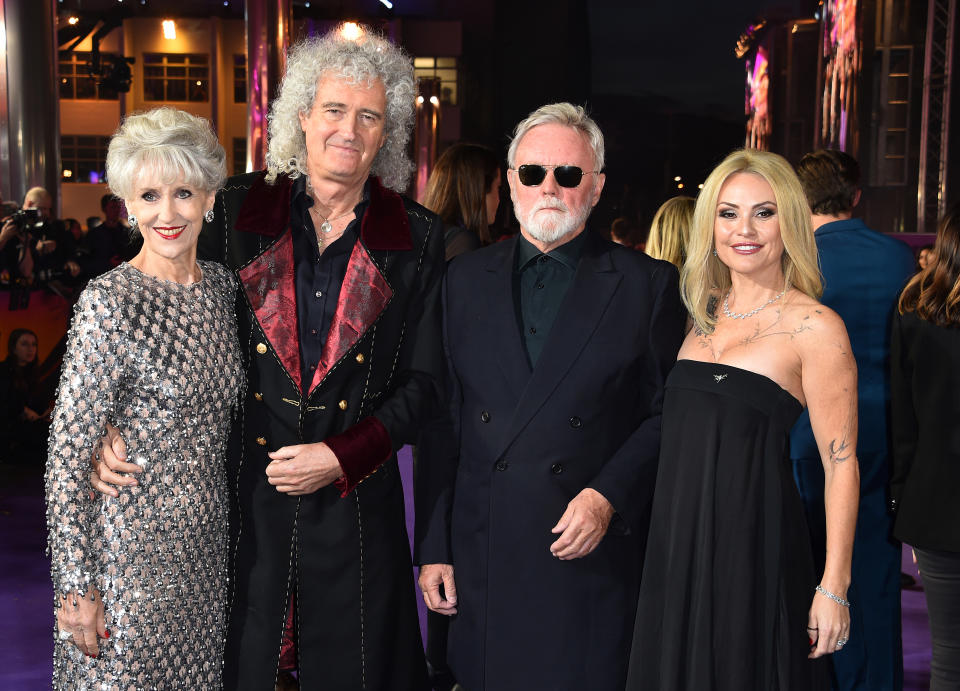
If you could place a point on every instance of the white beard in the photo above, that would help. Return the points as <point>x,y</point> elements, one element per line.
<point>553,226</point>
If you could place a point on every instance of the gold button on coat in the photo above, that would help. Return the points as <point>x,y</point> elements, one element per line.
<point>360,358</point>
<point>261,441</point>
<point>261,348</point>
<point>343,405</point>
<point>258,396</point>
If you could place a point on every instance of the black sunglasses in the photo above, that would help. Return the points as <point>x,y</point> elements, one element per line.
<point>532,174</point>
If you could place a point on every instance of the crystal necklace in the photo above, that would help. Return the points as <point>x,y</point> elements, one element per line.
<point>744,315</point>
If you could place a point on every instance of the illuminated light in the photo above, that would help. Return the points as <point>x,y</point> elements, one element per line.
<point>63,81</point>
<point>198,83</point>
<point>700,186</point>
<point>434,100</point>
<point>794,29</point>
<point>387,4</point>
<point>94,177</point>
<point>307,4</point>
<point>679,185</point>
<point>351,31</point>
<point>169,29</point>
<point>73,20</point>
<point>67,173</point>
<point>677,179</point>
<point>419,100</point>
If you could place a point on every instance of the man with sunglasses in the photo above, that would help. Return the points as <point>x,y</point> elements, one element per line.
<point>533,493</point>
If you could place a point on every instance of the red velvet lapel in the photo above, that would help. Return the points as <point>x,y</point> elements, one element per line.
<point>270,290</point>
<point>266,208</point>
<point>269,284</point>
<point>385,225</point>
<point>364,294</point>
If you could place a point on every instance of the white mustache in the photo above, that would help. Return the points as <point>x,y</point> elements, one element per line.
<point>549,203</point>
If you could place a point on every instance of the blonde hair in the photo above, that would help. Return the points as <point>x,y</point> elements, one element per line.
<point>670,230</point>
<point>704,276</point>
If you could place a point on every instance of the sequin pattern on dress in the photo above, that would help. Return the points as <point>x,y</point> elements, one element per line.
<point>160,361</point>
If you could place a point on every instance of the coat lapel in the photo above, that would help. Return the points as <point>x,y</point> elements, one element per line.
<point>593,287</point>
<point>269,288</point>
<point>269,283</point>
<point>364,295</point>
<point>365,292</point>
<point>511,355</point>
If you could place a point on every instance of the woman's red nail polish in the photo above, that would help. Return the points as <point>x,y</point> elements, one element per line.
<point>106,633</point>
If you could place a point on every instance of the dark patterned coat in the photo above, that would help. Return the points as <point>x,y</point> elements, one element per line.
<point>342,550</point>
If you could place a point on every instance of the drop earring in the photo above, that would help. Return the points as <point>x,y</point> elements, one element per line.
<point>132,220</point>
<point>208,217</point>
<point>715,252</point>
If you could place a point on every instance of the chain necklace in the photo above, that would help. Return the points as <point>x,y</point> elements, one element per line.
<point>327,226</point>
<point>744,315</point>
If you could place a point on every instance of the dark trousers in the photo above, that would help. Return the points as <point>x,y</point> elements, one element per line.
<point>941,583</point>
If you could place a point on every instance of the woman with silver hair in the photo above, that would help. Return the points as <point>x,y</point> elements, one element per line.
<point>140,578</point>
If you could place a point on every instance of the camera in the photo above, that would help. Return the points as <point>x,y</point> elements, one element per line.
<point>28,220</point>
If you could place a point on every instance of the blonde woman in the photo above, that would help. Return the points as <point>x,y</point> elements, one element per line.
<point>729,598</point>
<point>670,230</point>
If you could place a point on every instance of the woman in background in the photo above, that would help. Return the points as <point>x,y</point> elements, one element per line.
<point>27,401</point>
<point>670,230</point>
<point>464,191</point>
<point>925,407</point>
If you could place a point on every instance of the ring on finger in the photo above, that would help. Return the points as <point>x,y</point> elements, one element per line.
<point>842,642</point>
<point>64,635</point>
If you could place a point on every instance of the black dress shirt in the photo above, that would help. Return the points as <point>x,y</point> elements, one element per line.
<point>318,276</point>
<point>540,283</point>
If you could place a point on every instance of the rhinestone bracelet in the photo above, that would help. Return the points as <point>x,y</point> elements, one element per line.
<point>836,598</point>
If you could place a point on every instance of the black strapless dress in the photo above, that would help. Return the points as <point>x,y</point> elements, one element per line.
<point>729,577</point>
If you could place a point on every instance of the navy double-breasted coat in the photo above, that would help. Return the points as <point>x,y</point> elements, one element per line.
<point>519,443</point>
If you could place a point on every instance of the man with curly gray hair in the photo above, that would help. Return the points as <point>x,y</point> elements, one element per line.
<point>339,323</point>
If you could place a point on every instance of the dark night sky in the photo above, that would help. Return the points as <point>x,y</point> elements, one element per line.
<point>679,49</point>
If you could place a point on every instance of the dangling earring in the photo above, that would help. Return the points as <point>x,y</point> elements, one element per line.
<point>208,217</point>
<point>715,252</point>
<point>132,220</point>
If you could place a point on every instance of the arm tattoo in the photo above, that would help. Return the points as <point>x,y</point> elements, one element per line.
<point>839,452</point>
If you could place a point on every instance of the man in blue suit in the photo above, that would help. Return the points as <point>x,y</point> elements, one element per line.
<point>533,498</point>
<point>863,274</point>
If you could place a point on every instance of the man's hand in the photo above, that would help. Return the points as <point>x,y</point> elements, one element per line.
<point>303,468</point>
<point>46,246</point>
<point>72,268</point>
<point>432,576</point>
<point>109,459</point>
<point>582,525</point>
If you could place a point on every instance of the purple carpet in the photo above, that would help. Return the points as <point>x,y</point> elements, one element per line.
<point>26,619</point>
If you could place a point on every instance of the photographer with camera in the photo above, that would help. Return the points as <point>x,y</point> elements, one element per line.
<point>16,257</point>
<point>55,257</point>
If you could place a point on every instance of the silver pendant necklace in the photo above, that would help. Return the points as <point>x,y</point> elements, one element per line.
<point>326,226</point>
<point>744,315</point>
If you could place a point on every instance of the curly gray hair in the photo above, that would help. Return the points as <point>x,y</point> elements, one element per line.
<point>565,114</point>
<point>170,142</point>
<point>358,61</point>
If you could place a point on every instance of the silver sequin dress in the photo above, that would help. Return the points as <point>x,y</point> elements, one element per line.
<point>160,361</point>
